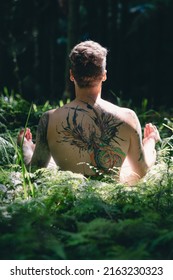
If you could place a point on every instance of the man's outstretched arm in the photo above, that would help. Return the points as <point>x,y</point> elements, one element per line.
<point>142,154</point>
<point>36,155</point>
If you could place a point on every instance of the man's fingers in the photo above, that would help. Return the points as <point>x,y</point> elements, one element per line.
<point>27,136</point>
<point>145,132</point>
<point>151,130</point>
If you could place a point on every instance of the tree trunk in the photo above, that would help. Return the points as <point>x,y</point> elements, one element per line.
<point>72,36</point>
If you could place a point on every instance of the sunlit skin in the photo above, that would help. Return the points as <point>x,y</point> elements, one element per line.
<point>90,134</point>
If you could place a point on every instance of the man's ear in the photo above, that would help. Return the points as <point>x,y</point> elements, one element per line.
<point>71,76</point>
<point>105,76</point>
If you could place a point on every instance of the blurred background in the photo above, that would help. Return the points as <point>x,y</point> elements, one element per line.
<point>36,37</point>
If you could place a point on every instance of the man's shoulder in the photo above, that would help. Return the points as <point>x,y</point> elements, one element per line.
<point>57,114</point>
<point>128,112</point>
<point>118,110</point>
<point>129,116</point>
<point>49,112</point>
<point>52,113</point>
<point>126,115</point>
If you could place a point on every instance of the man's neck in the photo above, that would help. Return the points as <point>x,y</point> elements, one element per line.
<point>89,95</point>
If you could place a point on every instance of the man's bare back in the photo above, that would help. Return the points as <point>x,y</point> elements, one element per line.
<point>82,136</point>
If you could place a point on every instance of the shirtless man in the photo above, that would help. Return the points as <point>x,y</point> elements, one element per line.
<point>89,131</point>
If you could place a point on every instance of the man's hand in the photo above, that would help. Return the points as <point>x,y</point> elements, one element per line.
<point>25,138</point>
<point>151,131</point>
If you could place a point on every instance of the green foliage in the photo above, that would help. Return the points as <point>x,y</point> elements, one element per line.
<point>69,216</point>
<point>13,109</point>
<point>72,217</point>
<point>6,152</point>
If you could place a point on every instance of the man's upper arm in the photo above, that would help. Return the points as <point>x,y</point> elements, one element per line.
<point>41,155</point>
<point>136,155</point>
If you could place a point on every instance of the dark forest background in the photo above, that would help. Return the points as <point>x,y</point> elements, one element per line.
<point>36,37</point>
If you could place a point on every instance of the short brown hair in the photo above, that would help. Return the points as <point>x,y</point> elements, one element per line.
<point>88,63</point>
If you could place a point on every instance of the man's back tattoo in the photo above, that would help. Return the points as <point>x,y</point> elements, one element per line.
<point>99,137</point>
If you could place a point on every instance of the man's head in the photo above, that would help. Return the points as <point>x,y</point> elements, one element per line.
<point>88,63</point>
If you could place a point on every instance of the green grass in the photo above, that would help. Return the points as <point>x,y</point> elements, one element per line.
<point>73,217</point>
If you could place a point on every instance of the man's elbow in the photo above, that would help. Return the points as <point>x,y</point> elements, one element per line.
<point>143,171</point>
<point>38,164</point>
